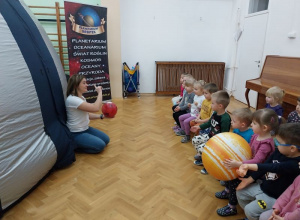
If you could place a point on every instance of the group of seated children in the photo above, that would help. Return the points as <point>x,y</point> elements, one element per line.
<point>269,187</point>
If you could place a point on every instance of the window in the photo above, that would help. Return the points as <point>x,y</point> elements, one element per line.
<point>258,5</point>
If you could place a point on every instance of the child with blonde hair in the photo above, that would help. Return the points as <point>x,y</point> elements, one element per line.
<point>195,108</point>
<point>264,125</point>
<point>274,96</point>
<point>206,110</point>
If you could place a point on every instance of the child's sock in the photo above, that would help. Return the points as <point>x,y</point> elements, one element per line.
<point>232,206</point>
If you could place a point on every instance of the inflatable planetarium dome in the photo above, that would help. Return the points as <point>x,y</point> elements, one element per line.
<point>34,138</point>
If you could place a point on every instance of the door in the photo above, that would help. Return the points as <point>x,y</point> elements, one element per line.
<point>250,55</point>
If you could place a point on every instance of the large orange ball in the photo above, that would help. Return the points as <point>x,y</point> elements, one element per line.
<point>223,146</point>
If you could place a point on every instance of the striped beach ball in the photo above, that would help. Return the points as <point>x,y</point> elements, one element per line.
<point>223,146</point>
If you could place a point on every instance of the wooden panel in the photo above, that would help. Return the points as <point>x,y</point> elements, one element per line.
<point>283,72</point>
<point>168,74</point>
<point>54,19</point>
<point>282,69</point>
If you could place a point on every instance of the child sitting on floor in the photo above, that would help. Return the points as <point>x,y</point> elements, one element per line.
<point>195,107</point>
<point>294,116</point>
<point>264,123</point>
<point>183,107</point>
<point>218,122</point>
<point>278,172</point>
<point>206,111</point>
<point>287,206</point>
<point>176,100</point>
<point>274,97</point>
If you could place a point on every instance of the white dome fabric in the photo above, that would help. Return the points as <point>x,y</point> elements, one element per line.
<point>33,136</point>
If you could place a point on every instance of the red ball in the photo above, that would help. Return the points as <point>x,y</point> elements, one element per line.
<point>109,109</point>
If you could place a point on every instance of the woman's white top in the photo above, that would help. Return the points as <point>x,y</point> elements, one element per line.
<point>77,120</point>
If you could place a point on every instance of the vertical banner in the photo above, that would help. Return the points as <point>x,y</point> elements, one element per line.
<point>87,46</point>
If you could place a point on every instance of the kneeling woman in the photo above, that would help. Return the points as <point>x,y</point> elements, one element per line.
<point>88,139</point>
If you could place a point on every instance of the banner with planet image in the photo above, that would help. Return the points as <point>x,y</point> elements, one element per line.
<point>87,46</point>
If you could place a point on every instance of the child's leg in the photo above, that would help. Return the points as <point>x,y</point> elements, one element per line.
<point>230,193</point>
<point>176,116</point>
<point>248,194</point>
<point>182,118</point>
<point>254,201</point>
<point>266,215</point>
<point>262,203</point>
<point>231,186</point>
<point>199,142</point>
<point>186,124</point>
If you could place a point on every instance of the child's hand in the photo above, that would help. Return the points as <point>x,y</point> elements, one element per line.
<point>197,120</point>
<point>195,129</point>
<point>275,215</point>
<point>177,109</point>
<point>230,164</point>
<point>242,171</point>
<point>196,103</point>
<point>245,182</point>
<point>189,105</point>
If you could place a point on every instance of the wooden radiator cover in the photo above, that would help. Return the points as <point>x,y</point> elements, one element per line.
<point>168,74</point>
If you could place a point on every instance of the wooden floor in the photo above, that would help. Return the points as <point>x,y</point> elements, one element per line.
<point>144,173</point>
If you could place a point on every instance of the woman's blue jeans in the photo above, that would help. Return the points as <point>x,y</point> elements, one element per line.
<point>90,141</point>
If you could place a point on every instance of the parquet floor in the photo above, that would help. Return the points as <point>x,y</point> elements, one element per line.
<point>144,173</point>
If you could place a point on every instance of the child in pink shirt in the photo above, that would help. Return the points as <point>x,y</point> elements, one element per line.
<point>264,125</point>
<point>287,206</point>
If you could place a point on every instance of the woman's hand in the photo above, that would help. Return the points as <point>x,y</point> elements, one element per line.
<point>98,89</point>
<point>196,103</point>
<point>230,164</point>
<point>245,182</point>
<point>189,105</point>
<point>242,171</point>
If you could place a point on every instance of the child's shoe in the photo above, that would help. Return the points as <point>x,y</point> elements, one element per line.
<point>227,211</point>
<point>222,195</point>
<point>222,183</point>
<point>186,139</point>
<point>198,162</point>
<point>203,171</point>
<point>198,157</point>
<point>180,133</point>
<point>176,127</point>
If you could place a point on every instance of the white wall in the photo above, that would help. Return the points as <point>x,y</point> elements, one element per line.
<point>174,30</point>
<point>284,18</point>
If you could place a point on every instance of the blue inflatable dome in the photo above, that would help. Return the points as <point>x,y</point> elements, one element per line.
<point>33,133</point>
